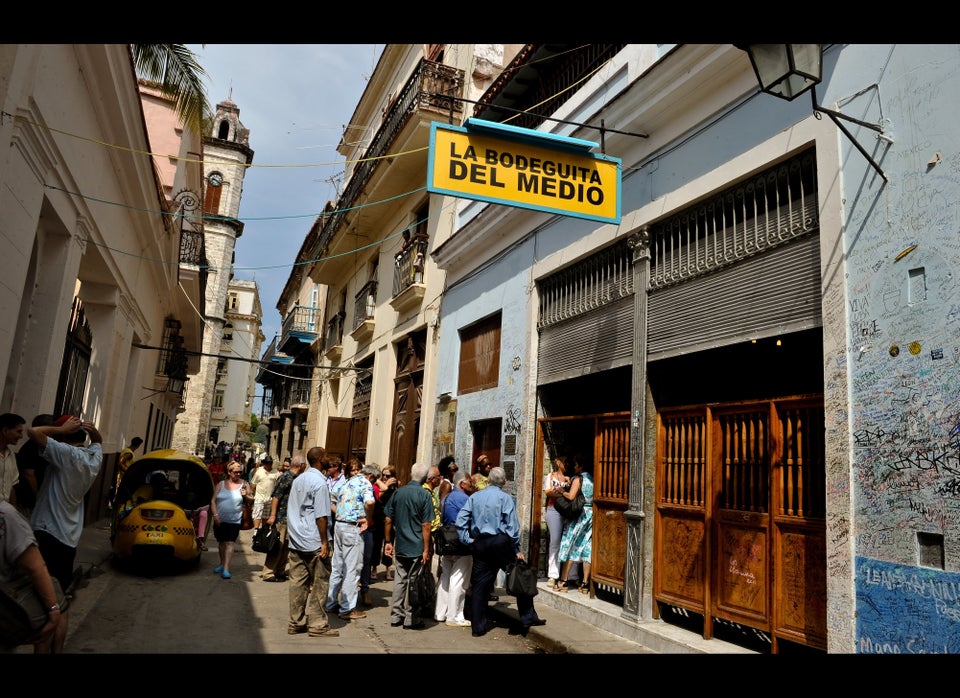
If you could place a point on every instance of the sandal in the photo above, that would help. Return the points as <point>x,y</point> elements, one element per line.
<point>584,587</point>
<point>561,585</point>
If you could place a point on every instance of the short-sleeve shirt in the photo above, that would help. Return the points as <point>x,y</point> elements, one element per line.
<point>264,481</point>
<point>435,496</point>
<point>409,508</point>
<point>69,476</point>
<point>282,494</point>
<point>309,500</point>
<point>352,499</point>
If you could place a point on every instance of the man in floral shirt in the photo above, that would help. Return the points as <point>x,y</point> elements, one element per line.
<point>354,512</point>
<point>275,565</point>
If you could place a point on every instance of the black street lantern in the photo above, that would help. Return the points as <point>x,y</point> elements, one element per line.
<point>786,70</point>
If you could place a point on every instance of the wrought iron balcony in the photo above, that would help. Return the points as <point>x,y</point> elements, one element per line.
<point>300,329</point>
<point>334,345</point>
<point>364,307</point>
<point>537,81</point>
<point>433,88</point>
<point>271,356</point>
<point>192,248</point>
<point>408,283</point>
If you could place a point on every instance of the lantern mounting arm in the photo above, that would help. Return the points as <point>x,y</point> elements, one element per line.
<point>835,116</point>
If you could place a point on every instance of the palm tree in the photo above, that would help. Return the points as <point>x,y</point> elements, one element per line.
<point>178,75</point>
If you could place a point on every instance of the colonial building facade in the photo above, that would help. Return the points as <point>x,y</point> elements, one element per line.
<point>227,155</point>
<point>97,322</point>
<point>758,359</point>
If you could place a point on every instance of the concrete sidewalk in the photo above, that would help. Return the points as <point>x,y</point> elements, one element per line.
<point>576,624</point>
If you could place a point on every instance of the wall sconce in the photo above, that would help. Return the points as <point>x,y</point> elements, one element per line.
<point>789,70</point>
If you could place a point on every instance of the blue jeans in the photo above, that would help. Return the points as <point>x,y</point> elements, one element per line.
<point>345,567</point>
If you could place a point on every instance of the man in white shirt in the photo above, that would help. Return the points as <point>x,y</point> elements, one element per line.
<point>57,519</point>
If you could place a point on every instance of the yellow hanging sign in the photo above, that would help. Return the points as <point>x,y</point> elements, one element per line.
<point>524,168</point>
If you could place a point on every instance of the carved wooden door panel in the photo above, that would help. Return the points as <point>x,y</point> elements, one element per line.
<point>740,529</point>
<point>611,480</point>
<point>408,390</point>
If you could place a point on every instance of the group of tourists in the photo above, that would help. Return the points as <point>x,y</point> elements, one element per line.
<point>339,522</point>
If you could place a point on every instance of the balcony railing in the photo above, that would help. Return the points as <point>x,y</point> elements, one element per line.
<point>335,331</point>
<point>408,269</point>
<point>365,304</point>
<point>191,247</point>
<point>297,397</point>
<point>300,328</point>
<point>434,87</point>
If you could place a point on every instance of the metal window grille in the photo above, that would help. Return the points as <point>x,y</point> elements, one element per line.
<point>756,215</point>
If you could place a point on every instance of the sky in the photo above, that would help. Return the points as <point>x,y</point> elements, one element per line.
<point>295,99</point>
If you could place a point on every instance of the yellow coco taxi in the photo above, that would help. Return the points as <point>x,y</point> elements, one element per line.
<point>152,526</point>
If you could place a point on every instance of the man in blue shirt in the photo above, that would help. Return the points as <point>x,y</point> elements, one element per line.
<point>488,523</point>
<point>308,513</point>
<point>408,520</point>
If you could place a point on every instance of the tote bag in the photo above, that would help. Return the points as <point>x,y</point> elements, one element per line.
<point>521,579</point>
<point>571,508</point>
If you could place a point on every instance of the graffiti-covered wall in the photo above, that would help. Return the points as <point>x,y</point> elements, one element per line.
<point>902,242</point>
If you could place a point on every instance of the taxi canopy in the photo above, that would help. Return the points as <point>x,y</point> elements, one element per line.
<point>176,476</point>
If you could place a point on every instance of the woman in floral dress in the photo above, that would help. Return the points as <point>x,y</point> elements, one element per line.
<point>577,538</point>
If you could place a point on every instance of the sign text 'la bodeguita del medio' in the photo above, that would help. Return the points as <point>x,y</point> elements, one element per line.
<point>529,169</point>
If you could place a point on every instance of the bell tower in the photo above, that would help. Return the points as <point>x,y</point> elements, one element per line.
<point>226,157</point>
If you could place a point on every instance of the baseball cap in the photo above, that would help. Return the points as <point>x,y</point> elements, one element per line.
<point>63,420</point>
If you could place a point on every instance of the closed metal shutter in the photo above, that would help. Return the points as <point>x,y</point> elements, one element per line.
<point>590,342</point>
<point>765,295</point>
<point>740,265</point>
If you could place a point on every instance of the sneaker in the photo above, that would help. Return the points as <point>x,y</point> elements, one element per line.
<point>297,630</point>
<point>353,615</point>
<point>458,623</point>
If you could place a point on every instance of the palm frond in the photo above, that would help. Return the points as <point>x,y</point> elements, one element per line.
<point>180,77</point>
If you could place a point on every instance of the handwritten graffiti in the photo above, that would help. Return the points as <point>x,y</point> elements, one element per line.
<point>512,423</point>
<point>943,460</point>
<point>950,488</point>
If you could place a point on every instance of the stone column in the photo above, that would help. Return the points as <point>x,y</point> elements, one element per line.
<point>635,515</point>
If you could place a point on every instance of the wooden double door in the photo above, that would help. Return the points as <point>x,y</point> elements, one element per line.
<point>740,528</point>
<point>603,441</point>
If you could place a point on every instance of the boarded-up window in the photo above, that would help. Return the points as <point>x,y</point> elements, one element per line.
<point>480,355</point>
